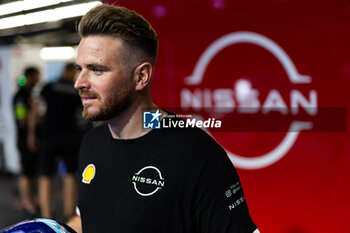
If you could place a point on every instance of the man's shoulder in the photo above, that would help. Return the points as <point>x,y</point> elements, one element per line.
<point>47,85</point>
<point>189,134</point>
<point>97,132</point>
<point>194,141</point>
<point>46,89</point>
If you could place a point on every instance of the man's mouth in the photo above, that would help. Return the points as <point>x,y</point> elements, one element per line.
<point>87,97</point>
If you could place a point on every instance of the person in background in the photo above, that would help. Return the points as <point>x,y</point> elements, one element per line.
<point>62,132</point>
<point>22,104</point>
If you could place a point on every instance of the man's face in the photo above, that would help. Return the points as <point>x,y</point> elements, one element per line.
<point>33,79</point>
<point>105,84</point>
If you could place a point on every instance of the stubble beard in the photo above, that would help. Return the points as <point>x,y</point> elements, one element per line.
<point>113,106</point>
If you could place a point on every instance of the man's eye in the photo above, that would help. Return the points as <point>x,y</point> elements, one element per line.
<point>97,71</point>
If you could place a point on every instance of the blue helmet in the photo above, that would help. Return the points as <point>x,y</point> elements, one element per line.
<point>39,225</point>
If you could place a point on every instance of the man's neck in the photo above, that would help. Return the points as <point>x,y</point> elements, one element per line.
<point>128,124</point>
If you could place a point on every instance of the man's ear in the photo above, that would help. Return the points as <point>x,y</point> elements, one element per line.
<point>143,75</point>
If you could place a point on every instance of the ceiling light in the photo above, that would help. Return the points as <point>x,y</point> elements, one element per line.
<point>24,5</point>
<point>34,4</point>
<point>47,15</point>
<point>57,53</point>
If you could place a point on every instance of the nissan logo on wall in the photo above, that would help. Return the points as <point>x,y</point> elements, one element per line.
<point>244,95</point>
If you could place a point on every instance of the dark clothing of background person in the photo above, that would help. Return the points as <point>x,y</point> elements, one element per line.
<point>63,126</point>
<point>21,104</point>
<point>63,114</point>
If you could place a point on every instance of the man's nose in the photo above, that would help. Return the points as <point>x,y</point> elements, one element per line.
<point>82,81</point>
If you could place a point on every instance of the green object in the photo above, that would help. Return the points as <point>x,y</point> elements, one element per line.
<point>21,111</point>
<point>22,80</point>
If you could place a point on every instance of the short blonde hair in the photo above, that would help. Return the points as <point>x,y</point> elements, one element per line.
<point>121,23</point>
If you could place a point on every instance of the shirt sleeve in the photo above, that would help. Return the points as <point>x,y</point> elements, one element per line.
<point>220,204</point>
<point>21,109</point>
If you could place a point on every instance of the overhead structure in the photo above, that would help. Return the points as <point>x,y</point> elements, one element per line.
<point>20,20</point>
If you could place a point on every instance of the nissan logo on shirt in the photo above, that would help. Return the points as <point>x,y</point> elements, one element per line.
<point>148,181</point>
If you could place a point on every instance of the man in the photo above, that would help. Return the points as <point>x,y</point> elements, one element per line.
<point>137,180</point>
<point>22,105</point>
<point>62,135</point>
